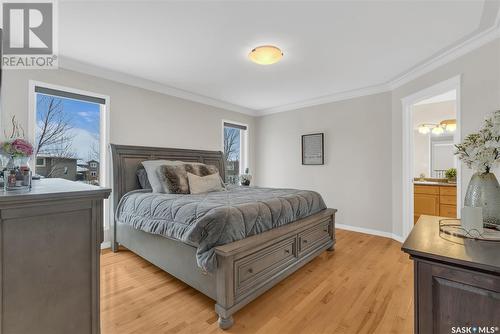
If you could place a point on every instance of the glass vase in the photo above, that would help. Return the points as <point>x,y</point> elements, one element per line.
<point>484,191</point>
<point>17,174</point>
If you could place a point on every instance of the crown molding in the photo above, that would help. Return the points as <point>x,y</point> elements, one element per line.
<point>371,90</point>
<point>81,67</point>
<point>446,56</point>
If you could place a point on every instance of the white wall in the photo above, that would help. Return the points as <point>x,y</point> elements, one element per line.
<point>480,95</point>
<point>356,178</point>
<point>137,116</point>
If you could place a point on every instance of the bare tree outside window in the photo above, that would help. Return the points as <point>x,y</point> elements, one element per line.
<point>232,138</point>
<point>67,138</point>
<point>53,135</point>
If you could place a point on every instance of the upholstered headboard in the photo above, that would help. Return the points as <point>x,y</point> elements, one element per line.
<point>127,159</point>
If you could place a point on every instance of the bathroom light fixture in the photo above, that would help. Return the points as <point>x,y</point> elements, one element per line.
<point>425,128</point>
<point>438,130</point>
<point>265,55</point>
<point>449,124</point>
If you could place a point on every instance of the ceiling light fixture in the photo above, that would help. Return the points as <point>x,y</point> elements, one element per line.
<point>265,55</point>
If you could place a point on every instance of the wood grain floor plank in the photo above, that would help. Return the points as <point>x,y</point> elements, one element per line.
<point>364,286</point>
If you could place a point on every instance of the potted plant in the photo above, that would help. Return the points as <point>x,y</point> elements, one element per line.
<point>481,152</point>
<point>245,178</point>
<point>451,175</point>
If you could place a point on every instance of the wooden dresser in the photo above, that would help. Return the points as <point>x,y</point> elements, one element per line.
<point>50,248</point>
<point>435,200</point>
<point>457,281</point>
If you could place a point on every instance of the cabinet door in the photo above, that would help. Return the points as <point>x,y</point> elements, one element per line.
<point>449,297</point>
<point>426,204</point>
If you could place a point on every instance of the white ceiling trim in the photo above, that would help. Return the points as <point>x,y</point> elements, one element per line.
<point>447,56</point>
<point>327,99</point>
<point>77,66</point>
<point>440,59</point>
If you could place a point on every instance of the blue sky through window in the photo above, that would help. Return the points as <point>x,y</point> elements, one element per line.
<point>83,118</point>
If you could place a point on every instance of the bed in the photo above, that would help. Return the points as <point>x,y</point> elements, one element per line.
<point>232,273</point>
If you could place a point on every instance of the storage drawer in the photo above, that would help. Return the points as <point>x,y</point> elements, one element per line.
<point>430,190</point>
<point>448,191</point>
<point>449,211</point>
<point>257,268</point>
<point>450,200</point>
<point>311,238</point>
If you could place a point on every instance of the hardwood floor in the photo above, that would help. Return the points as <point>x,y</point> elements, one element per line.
<point>364,286</point>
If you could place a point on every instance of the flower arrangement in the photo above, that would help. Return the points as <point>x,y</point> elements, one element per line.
<point>17,148</point>
<point>481,151</point>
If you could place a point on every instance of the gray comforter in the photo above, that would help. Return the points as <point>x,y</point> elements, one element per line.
<point>208,220</point>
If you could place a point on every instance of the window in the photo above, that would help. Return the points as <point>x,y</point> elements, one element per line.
<point>235,148</point>
<point>40,162</point>
<point>67,131</point>
<point>94,174</point>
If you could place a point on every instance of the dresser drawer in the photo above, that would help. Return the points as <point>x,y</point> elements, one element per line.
<point>430,190</point>
<point>309,239</point>
<point>257,268</point>
<point>449,211</point>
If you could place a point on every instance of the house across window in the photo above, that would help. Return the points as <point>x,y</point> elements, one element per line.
<point>235,139</point>
<point>40,162</point>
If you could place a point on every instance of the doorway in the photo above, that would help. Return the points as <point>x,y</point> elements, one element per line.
<point>431,171</point>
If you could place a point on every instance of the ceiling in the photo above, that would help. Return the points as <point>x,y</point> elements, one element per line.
<point>198,50</point>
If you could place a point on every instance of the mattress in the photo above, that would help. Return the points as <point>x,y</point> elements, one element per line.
<point>216,218</point>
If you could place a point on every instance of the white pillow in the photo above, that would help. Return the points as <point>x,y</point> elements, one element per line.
<point>204,184</point>
<point>152,168</point>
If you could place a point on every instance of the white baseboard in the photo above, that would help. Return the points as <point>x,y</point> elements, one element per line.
<point>370,231</point>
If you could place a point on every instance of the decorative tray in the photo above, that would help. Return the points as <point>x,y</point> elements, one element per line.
<point>454,228</point>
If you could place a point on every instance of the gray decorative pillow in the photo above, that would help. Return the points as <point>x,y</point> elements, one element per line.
<point>142,176</point>
<point>175,177</point>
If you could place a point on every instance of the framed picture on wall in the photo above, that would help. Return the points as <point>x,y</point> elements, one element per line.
<point>313,149</point>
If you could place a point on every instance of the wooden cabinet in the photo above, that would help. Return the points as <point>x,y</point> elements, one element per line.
<point>435,200</point>
<point>457,281</point>
<point>50,242</point>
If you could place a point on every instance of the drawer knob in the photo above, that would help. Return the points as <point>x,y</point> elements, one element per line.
<point>250,270</point>
<point>304,241</point>
<point>287,251</point>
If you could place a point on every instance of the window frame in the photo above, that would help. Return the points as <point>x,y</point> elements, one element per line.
<point>244,147</point>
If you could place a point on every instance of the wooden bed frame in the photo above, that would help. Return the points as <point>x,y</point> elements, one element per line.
<point>246,268</point>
